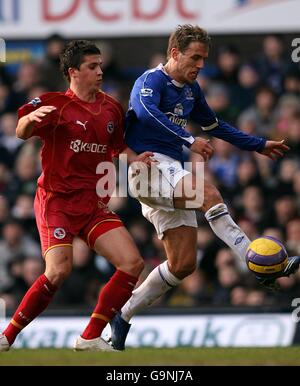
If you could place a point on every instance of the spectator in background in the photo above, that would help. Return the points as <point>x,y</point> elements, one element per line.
<point>272,63</point>
<point>5,178</point>
<point>6,104</point>
<point>26,270</point>
<point>262,112</point>
<point>26,173</point>
<point>23,211</point>
<point>247,174</point>
<point>228,62</point>
<point>238,296</point>
<point>291,82</point>
<point>8,139</point>
<point>293,135</point>
<point>296,187</point>
<point>287,169</point>
<point>223,165</point>
<point>4,209</point>
<point>50,75</point>
<point>192,292</point>
<point>27,78</point>
<point>252,206</point>
<point>293,235</point>
<point>285,209</point>
<point>247,123</point>
<point>14,246</point>
<point>274,232</point>
<point>244,94</point>
<point>288,107</point>
<point>219,99</point>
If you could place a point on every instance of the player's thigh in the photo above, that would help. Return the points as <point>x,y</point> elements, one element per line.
<point>180,245</point>
<point>194,192</point>
<point>58,263</point>
<point>118,247</point>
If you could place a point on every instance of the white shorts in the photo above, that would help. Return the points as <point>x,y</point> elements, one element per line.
<point>155,192</point>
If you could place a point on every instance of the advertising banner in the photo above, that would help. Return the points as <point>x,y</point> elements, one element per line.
<point>247,330</point>
<point>114,18</point>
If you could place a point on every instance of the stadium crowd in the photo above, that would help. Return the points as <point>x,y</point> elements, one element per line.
<point>260,96</point>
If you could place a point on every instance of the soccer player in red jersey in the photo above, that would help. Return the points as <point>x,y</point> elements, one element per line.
<point>80,129</point>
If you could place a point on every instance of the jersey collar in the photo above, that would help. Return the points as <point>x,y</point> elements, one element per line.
<point>72,95</point>
<point>177,84</point>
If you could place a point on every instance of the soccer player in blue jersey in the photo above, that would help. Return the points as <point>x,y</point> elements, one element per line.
<point>162,101</point>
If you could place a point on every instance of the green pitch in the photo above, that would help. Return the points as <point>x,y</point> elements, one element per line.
<point>156,357</point>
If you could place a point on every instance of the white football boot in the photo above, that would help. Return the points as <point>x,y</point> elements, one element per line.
<point>97,344</point>
<point>4,345</point>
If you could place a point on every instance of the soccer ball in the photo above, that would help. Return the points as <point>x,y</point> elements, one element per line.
<point>266,256</point>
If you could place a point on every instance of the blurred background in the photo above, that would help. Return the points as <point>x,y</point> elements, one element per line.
<point>251,80</point>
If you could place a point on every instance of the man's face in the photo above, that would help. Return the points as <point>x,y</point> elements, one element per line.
<point>190,62</point>
<point>89,73</point>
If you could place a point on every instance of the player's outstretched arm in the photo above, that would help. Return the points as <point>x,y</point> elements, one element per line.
<point>275,149</point>
<point>26,124</point>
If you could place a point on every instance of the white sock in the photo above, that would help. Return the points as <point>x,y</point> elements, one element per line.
<point>227,230</point>
<point>159,281</point>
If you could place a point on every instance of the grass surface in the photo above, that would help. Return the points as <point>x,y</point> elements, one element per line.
<point>154,356</point>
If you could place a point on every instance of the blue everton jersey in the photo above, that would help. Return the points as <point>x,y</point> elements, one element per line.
<point>159,110</point>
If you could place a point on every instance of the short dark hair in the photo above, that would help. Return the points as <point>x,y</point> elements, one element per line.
<point>184,35</point>
<point>73,53</point>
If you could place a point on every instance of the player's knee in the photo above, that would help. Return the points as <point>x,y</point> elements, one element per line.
<point>182,268</point>
<point>58,275</point>
<point>212,197</point>
<point>133,265</point>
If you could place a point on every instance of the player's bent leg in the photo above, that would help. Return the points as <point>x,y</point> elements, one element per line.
<point>59,260</point>
<point>40,294</point>
<point>118,247</point>
<point>180,246</point>
<point>216,213</point>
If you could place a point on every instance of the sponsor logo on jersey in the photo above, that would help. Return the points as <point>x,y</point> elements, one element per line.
<point>189,93</point>
<point>35,101</point>
<point>176,120</point>
<point>178,109</point>
<point>59,233</point>
<point>146,92</point>
<point>110,127</point>
<point>78,146</point>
